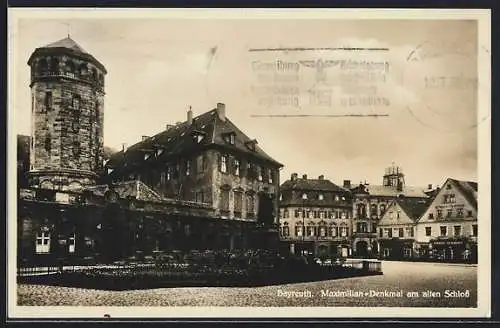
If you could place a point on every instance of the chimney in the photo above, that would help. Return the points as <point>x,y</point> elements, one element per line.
<point>190,116</point>
<point>178,123</point>
<point>221,111</point>
<point>168,127</point>
<point>144,137</point>
<point>347,184</point>
<point>321,177</point>
<point>294,176</point>
<point>304,176</point>
<point>124,147</point>
<point>429,186</point>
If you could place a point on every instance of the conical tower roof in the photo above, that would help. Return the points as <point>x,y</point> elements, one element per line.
<point>68,43</point>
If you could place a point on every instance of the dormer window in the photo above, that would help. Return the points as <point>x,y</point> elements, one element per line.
<point>337,198</point>
<point>320,197</point>
<point>304,196</point>
<point>229,137</point>
<point>251,144</point>
<point>159,151</point>
<point>146,156</point>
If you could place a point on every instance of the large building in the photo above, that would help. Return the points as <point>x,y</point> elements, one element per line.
<point>370,202</point>
<point>315,217</point>
<point>448,228</point>
<point>206,160</point>
<point>397,235</point>
<point>200,184</point>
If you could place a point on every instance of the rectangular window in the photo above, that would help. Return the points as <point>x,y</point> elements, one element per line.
<point>469,213</point>
<point>316,214</point>
<point>440,213</point>
<point>238,203</point>
<point>260,173</point>
<point>236,167</point>
<point>474,230</point>
<point>409,232</point>
<point>224,202</point>
<point>448,213</point>
<point>457,230</point>
<point>431,216</point>
<point>460,212</point>
<point>270,175</point>
<point>401,233</point>
<point>169,173</point>
<point>76,103</point>
<point>297,213</point>
<point>42,242</point>
<point>48,100</point>
<point>188,167</point>
<point>285,214</point>
<point>250,204</point>
<point>71,243</point>
<point>443,231</point>
<point>428,231</point>
<point>223,164</point>
<point>299,231</point>
<point>380,232</point>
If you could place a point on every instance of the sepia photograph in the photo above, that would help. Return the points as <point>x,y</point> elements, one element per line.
<point>249,163</point>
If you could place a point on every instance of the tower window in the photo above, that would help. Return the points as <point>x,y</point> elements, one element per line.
<point>76,147</point>
<point>70,68</point>
<point>47,143</point>
<point>76,103</point>
<point>42,66</point>
<point>54,66</point>
<point>48,100</point>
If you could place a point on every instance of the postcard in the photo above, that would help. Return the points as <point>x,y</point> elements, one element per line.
<point>250,163</point>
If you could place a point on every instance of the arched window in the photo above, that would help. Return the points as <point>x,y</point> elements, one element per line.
<point>46,184</point>
<point>42,66</point>
<point>54,65</point>
<point>299,229</point>
<point>70,68</point>
<point>83,69</point>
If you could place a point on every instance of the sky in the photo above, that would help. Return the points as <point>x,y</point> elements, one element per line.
<point>158,68</point>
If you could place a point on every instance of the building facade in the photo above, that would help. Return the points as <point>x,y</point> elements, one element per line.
<point>315,217</point>
<point>397,230</point>
<point>200,184</point>
<point>448,228</point>
<point>370,202</point>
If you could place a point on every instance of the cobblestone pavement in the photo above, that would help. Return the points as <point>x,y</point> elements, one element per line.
<point>398,277</point>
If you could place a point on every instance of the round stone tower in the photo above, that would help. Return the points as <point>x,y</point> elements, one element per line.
<point>67,99</point>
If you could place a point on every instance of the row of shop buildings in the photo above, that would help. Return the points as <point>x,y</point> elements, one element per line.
<point>388,221</point>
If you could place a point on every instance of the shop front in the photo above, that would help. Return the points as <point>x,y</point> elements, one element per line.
<point>453,249</point>
<point>397,249</point>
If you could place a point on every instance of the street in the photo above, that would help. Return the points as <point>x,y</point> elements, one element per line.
<point>403,284</point>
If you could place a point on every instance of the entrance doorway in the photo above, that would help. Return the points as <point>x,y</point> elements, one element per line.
<point>362,248</point>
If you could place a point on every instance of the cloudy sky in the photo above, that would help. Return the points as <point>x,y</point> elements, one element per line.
<point>157,68</point>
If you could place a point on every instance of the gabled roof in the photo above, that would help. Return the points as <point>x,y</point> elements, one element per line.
<point>311,185</point>
<point>128,189</point>
<point>414,208</point>
<point>180,139</point>
<point>67,43</point>
<point>468,189</point>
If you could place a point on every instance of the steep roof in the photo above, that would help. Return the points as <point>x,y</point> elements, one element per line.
<point>468,189</point>
<point>390,191</point>
<point>67,43</point>
<point>311,184</point>
<point>413,208</point>
<point>180,139</point>
<point>67,46</point>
